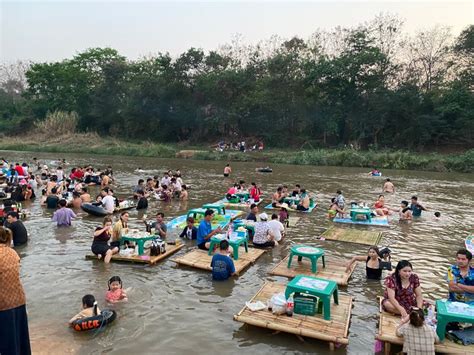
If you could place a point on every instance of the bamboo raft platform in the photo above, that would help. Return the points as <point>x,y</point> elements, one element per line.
<point>200,259</point>
<point>388,324</point>
<point>334,331</point>
<point>335,270</point>
<point>352,235</point>
<point>144,259</point>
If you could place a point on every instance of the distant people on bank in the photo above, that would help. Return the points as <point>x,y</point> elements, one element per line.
<point>63,216</point>
<point>416,207</point>
<point>263,237</point>
<point>115,293</point>
<point>402,290</point>
<point>461,278</point>
<point>374,264</point>
<point>100,244</point>
<point>14,335</point>
<point>227,170</point>
<point>388,186</point>
<point>222,265</point>
<point>18,229</point>
<point>205,231</point>
<point>190,231</point>
<point>418,337</point>
<point>89,309</point>
<point>276,228</point>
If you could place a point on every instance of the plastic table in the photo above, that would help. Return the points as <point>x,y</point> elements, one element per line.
<point>446,314</point>
<point>219,207</point>
<point>304,251</point>
<point>361,211</point>
<point>139,240</point>
<point>235,241</point>
<point>321,288</point>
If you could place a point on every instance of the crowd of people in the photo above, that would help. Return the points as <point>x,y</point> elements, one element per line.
<point>403,292</point>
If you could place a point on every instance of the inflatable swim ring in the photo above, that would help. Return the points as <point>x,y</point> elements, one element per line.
<point>264,170</point>
<point>94,210</point>
<point>105,317</point>
<point>470,243</point>
<point>376,174</point>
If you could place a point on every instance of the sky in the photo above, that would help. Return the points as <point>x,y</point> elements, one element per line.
<point>55,30</point>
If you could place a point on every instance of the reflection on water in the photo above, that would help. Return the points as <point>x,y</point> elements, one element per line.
<point>172,310</point>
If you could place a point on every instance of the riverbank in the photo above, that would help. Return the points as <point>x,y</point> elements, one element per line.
<point>92,143</point>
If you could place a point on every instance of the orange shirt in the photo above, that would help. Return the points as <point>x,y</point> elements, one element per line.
<point>12,294</point>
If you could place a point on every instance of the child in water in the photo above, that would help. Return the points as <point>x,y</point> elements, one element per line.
<point>89,309</point>
<point>116,293</point>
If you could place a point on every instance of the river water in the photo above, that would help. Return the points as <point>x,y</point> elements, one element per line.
<point>173,310</point>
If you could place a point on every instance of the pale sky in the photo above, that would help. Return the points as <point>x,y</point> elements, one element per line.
<point>54,30</point>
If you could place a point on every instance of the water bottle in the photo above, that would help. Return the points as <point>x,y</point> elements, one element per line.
<point>290,304</point>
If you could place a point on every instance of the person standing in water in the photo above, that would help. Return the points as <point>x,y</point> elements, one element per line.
<point>227,170</point>
<point>388,186</point>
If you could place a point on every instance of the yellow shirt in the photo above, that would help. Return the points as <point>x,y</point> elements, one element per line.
<point>11,294</point>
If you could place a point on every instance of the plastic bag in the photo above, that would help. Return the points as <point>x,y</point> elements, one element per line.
<point>256,306</point>
<point>278,302</point>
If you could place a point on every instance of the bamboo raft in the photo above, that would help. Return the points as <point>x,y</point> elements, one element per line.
<point>334,331</point>
<point>387,333</point>
<point>352,235</point>
<point>335,270</point>
<point>201,260</point>
<point>143,259</point>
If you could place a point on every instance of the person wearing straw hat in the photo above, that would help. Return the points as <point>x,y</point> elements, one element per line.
<point>283,215</point>
<point>263,237</point>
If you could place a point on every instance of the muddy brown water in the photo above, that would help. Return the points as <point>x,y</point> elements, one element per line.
<point>174,310</point>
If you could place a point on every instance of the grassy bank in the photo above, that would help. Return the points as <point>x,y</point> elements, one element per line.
<point>91,143</point>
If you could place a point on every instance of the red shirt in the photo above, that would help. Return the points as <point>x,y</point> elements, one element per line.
<point>19,170</point>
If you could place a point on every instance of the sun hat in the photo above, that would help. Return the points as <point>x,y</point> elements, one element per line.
<point>285,206</point>
<point>263,216</point>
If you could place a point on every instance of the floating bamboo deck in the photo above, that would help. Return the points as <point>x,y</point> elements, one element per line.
<point>352,235</point>
<point>144,259</point>
<point>333,331</point>
<point>201,260</point>
<point>335,270</point>
<point>388,324</point>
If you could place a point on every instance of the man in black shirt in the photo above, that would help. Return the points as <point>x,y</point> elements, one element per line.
<point>20,235</point>
<point>142,201</point>
<point>52,199</point>
<point>252,216</point>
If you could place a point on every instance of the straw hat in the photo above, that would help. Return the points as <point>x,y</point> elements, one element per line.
<point>263,216</point>
<point>285,206</point>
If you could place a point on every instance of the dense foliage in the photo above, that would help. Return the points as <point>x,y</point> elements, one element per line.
<point>365,86</point>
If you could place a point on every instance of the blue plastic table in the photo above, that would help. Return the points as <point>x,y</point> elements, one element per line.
<point>365,211</point>
<point>304,251</point>
<point>321,288</point>
<point>446,313</point>
<point>235,242</point>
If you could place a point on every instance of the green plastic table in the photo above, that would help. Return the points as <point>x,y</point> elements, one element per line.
<point>361,211</point>
<point>235,242</point>
<point>139,240</point>
<point>219,207</point>
<point>446,314</point>
<point>243,195</point>
<point>321,288</point>
<point>304,251</point>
